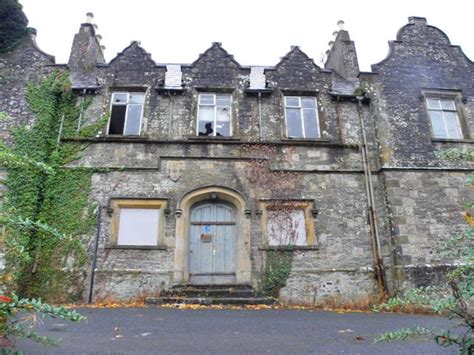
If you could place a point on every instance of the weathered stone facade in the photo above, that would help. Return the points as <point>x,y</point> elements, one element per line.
<point>374,190</point>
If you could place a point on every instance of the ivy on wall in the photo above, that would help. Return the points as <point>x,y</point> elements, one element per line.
<point>41,263</point>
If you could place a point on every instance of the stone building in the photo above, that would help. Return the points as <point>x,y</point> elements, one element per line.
<point>212,165</point>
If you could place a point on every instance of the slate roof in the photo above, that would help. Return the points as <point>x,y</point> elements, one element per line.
<point>343,86</point>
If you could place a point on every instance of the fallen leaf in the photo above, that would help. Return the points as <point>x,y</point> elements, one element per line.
<point>118,332</point>
<point>346,331</point>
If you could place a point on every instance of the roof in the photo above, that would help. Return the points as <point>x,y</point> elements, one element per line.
<point>342,86</point>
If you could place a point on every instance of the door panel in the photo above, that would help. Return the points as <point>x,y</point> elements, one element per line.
<point>212,243</point>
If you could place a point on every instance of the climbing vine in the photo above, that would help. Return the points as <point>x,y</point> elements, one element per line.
<point>275,271</point>
<point>277,185</point>
<point>41,200</point>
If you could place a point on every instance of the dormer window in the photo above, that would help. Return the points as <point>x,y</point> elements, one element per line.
<point>214,115</point>
<point>126,113</point>
<point>444,118</point>
<point>302,120</point>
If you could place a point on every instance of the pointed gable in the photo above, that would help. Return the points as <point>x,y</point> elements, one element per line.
<point>133,55</point>
<point>215,68</point>
<point>132,66</point>
<point>297,71</point>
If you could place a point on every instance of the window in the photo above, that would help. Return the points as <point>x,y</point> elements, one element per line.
<point>288,223</point>
<point>137,222</point>
<point>444,118</point>
<point>302,119</point>
<point>126,113</point>
<point>214,115</point>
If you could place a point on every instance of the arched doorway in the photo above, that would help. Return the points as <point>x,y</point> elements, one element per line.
<point>212,243</point>
<point>222,196</point>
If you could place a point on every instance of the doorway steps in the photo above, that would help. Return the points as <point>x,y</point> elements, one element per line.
<point>238,295</point>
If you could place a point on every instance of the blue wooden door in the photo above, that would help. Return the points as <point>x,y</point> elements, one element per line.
<point>212,243</point>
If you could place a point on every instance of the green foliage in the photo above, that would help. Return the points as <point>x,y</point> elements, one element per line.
<point>46,212</point>
<point>457,154</point>
<point>13,24</point>
<point>404,334</point>
<point>18,316</point>
<point>276,271</point>
<point>431,299</point>
<point>11,160</point>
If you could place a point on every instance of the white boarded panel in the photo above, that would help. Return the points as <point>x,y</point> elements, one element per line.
<point>257,78</point>
<point>138,226</point>
<point>173,76</point>
<point>286,227</point>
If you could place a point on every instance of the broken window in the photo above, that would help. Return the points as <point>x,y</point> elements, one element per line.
<point>126,113</point>
<point>444,118</point>
<point>137,222</point>
<point>302,120</point>
<point>214,115</point>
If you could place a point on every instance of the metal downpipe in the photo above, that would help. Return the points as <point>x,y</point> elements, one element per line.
<point>376,248</point>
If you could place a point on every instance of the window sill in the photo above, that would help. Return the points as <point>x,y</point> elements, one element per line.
<point>288,248</point>
<point>213,139</point>
<point>123,136</point>
<point>306,140</point>
<point>449,140</point>
<point>137,247</point>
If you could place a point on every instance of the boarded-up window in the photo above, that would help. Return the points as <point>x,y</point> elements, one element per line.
<point>286,226</point>
<point>138,226</point>
<point>137,222</point>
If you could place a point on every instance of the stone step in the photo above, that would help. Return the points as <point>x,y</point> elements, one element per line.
<point>238,301</point>
<point>213,286</point>
<point>213,293</point>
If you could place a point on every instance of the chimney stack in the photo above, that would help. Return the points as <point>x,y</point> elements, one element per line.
<point>340,24</point>
<point>342,57</point>
<point>89,17</point>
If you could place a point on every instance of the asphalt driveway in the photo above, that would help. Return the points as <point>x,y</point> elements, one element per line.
<point>211,331</point>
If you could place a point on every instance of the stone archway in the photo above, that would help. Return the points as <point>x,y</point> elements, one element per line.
<point>242,223</point>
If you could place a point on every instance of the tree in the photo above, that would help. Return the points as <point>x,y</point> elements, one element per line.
<point>13,25</point>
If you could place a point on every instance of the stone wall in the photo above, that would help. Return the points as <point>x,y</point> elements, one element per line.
<point>426,209</point>
<point>25,64</point>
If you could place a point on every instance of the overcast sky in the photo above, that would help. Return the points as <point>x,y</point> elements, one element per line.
<point>256,32</point>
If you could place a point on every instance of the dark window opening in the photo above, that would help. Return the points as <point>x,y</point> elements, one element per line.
<point>117,119</point>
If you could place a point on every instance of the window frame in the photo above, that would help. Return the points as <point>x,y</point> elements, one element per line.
<point>301,110</point>
<point>456,98</point>
<point>117,204</point>
<point>231,122</point>
<point>305,205</point>
<point>127,104</point>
